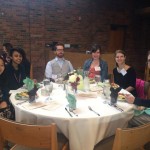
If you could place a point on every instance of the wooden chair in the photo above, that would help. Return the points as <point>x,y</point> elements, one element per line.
<point>132,138</point>
<point>147,89</point>
<point>31,71</point>
<point>25,136</point>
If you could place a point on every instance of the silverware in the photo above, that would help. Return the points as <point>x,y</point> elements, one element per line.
<point>116,107</point>
<point>73,112</point>
<point>90,108</point>
<point>68,112</point>
<point>22,102</point>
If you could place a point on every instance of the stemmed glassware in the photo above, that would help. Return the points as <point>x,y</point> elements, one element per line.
<point>49,88</point>
<point>106,90</point>
<point>97,78</point>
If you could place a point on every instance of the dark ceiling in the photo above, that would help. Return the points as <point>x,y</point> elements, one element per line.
<point>139,4</point>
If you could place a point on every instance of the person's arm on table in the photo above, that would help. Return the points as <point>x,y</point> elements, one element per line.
<point>137,101</point>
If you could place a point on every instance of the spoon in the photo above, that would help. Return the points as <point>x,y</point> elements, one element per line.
<point>90,108</point>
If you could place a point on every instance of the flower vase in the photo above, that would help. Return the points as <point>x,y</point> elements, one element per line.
<point>114,95</point>
<point>32,94</point>
<point>71,97</point>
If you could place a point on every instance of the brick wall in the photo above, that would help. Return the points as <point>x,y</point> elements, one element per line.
<point>33,23</point>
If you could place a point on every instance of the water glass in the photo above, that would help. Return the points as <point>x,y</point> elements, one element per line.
<point>97,78</point>
<point>86,73</point>
<point>106,91</point>
<point>49,89</point>
<point>113,100</point>
<point>46,82</point>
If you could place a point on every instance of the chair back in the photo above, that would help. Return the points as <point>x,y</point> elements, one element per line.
<point>31,71</point>
<point>34,136</point>
<point>132,138</point>
<point>147,89</point>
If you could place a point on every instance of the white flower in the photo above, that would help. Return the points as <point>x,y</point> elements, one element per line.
<point>72,78</point>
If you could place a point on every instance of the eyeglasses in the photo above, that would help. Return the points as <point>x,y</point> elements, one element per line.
<point>59,49</point>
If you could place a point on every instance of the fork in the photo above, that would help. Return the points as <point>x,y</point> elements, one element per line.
<point>90,108</point>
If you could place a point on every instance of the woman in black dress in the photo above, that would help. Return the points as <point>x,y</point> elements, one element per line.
<point>15,71</point>
<point>124,75</point>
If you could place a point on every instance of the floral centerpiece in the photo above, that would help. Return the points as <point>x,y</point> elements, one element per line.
<point>114,93</point>
<point>75,81</point>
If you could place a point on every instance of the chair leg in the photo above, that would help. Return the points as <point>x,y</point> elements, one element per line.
<point>66,146</point>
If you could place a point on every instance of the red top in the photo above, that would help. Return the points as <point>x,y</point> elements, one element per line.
<point>92,73</point>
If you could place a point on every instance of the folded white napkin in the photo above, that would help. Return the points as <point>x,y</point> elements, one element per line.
<point>52,105</point>
<point>33,105</point>
<point>123,91</point>
<point>87,94</point>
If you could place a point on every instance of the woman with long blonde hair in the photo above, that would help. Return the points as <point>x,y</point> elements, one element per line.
<point>124,75</point>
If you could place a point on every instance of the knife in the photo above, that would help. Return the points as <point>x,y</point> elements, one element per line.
<point>68,112</point>
<point>118,108</point>
<point>115,106</point>
<point>22,102</point>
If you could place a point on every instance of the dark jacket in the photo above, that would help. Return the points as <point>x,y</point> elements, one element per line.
<point>142,102</point>
<point>15,77</point>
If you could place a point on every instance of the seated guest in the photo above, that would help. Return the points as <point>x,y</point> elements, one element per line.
<point>15,72</point>
<point>5,53</point>
<point>95,65</point>
<point>6,109</point>
<point>25,62</point>
<point>124,75</point>
<point>59,66</point>
<point>137,101</point>
<point>144,117</point>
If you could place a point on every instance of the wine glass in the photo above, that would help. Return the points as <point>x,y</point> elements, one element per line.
<point>46,82</point>
<point>106,90</point>
<point>49,89</point>
<point>97,78</point>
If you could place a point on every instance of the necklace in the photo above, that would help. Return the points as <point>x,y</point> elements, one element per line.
<point>19,77</point>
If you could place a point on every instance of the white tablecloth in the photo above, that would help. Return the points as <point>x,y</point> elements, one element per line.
<point>84,131</point>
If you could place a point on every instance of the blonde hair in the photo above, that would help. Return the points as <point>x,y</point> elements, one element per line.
<point>120,51</point>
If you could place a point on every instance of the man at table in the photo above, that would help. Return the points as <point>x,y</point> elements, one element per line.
<point>59,67</point>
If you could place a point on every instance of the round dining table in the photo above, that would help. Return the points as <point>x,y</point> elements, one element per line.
<point>93,120</point>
